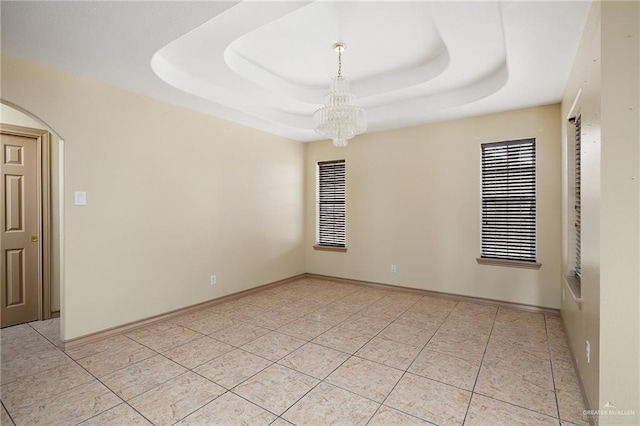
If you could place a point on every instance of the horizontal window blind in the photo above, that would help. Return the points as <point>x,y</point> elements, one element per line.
<point>578,198</point>
<point>331,203</point>
<point>509,200</point>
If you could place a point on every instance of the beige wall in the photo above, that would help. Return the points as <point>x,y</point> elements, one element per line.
<point>582,95</point>
<point>173,196</point>
<point>620,209</point>
<point>10,115</point>
<point>606,72</point>
<point>413,200</point>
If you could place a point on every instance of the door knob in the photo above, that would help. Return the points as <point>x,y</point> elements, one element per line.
<point>34,238</point>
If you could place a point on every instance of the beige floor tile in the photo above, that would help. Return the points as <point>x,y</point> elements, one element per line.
<point>473,310</point>
<point>342,339</point>
<point>142,376</point>
<point>428,320</point>
<point>273,346</point>
<point>239,334</point>
<point>349,306</point>
<point>114,359</point>
<point>50,329</point>
<point>5,420</point>
<point>15,366</point>
<point>462,346</point>
<point>464,326</point>
<point>366,378</point>
<point>387,416</point>
<point>564,376</point>
<point>512,388</point>
<point>315,360</point>
<point>167,339</point>
<point>276,388</point>
<point>280,422</point>
<point>446,368</point>
<point>98,346</point>
<point>245,313</point>
<point>117,416</point>
<point>365,325</point>
<point>197,352</point>
<point>431,303</point>
<point>176,398</point>
<point>328,404</point>
<point>487,411</point>
<point>408,334</point>
<point>520,319</point>
<point>273,319</point>
<point>210,323</point>
<point>44,385</point>
<point>232,368</point>
<point>304,329</point>
<point>68,408</point>
<point>530,368</point>
<point>529,337</point>
<point>388,352</point>
<point>21,339</point>
<point>531,343</point>
<point>571,406</point>
<point>388,313</point>
<point>328,316</point>
<point>229,409</point>
<point>429,400</point>
<point>302,307</point>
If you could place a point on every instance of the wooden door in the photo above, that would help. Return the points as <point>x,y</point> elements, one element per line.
<point>22,226</point>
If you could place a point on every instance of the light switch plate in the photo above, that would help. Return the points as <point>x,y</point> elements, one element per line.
<point>80,198</point>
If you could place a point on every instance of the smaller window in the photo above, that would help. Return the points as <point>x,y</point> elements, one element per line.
<point>509,200</point>
<point>331,204</point>
<point>578,198</point>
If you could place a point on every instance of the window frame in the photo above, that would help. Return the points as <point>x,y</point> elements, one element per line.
<point>508,185</point>
<point>331,206</point>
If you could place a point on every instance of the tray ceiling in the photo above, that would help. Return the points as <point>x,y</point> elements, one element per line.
<point>268,64</point>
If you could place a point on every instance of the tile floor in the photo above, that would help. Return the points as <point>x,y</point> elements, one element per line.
<point>309,352</point>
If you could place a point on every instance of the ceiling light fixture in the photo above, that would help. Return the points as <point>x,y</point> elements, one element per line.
<point>339,119</point>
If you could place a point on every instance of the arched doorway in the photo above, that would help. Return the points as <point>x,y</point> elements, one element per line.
<point>31,147</point>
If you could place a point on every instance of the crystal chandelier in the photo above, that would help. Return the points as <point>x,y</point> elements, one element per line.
<point>339,119</point>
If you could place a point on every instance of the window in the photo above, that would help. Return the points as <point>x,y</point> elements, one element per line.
<point>509,201</point>
<point>331,204</point>
<point>577,198</point>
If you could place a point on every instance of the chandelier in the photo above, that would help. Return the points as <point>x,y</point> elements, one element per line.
<point>339,119</point>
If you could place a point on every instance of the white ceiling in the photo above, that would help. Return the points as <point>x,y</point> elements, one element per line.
<point>268,64</point>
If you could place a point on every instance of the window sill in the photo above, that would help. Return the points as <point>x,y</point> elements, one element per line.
<point>508,263</point>
<point>330,248</point>
<point>574,288</point>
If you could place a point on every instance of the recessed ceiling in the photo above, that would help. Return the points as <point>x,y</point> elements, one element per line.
<point>268,64</point>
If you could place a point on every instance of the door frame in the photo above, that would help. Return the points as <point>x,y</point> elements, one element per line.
<point>43,176</point>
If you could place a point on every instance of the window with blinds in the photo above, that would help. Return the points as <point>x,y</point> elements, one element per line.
<point>331,203</point>
<point>509,200</point>
<point>578,198</point>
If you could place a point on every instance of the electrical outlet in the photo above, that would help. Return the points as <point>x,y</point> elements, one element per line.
<point>214,279</point>
<point>588,352</point>
<point>394,269</point>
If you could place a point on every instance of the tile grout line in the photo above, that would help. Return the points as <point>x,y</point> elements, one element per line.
<point>414,360</point>
<point>475,382</point>
<point>8,413</point>
<point>553,376</point>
